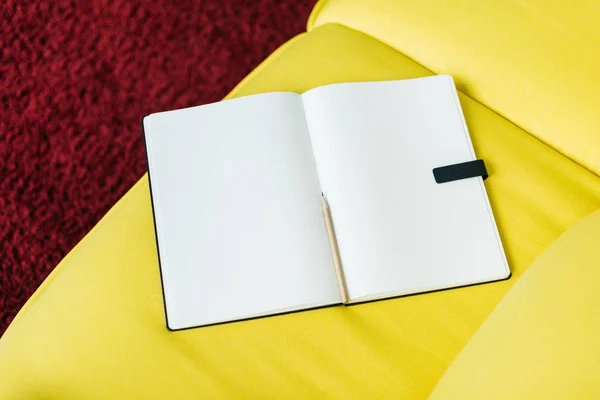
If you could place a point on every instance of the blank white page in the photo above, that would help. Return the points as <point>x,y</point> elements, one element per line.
<point>237,207</point>
<point>398,231</point>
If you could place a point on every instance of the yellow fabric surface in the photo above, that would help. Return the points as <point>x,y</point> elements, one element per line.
<point>95,329</point>
<point>542,340</point>
<point>534,62</point>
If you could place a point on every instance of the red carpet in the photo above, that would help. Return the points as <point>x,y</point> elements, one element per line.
<point>76,77</point>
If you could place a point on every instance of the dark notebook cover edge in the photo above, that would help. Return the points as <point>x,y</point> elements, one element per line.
<point>162,283</point>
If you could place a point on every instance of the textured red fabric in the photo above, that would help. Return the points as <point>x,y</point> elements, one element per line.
<point>76,77</point>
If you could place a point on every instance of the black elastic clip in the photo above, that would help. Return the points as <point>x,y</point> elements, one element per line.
<point>454,172</point>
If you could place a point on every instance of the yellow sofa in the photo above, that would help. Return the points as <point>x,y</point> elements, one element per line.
<point>527,72</point>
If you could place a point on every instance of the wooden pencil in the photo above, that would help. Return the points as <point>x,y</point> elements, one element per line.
<point>335,251</point>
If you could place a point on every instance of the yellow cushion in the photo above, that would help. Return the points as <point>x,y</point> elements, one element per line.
<point>95,329</point>
<point>534,62</point>
<point>542,340</point>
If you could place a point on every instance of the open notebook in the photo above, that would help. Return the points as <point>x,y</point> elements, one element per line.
<point>237,192</point>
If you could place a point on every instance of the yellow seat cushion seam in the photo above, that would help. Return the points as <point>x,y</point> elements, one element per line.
<point>314,15</point>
